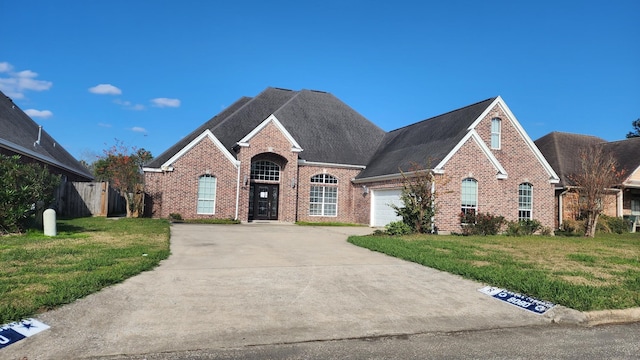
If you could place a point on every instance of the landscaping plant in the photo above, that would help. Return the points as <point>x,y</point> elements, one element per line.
<point>22,185</point>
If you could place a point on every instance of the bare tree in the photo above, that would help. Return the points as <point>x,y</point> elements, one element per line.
<point>597,174</point>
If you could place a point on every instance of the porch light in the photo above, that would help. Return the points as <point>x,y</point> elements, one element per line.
<point>365,190</point>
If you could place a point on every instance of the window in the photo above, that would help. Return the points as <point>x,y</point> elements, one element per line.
<point>323,199</point>
<point>206,194</point>
<point>496,125</point>
<point>635,207</point>
<point>265,170</point>
<point>469,196</point>
<point>525,201</point>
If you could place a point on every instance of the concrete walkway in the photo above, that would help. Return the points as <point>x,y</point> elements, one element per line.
<point>227,286</point>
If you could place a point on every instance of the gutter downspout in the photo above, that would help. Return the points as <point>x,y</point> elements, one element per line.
<point>237,193</point>
<point>560,207</point>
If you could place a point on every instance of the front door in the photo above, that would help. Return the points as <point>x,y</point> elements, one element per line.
<point>263,202</point>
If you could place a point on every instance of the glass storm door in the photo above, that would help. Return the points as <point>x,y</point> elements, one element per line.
<point>263,204</point>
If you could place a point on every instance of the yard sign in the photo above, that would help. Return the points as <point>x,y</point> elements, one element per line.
<point>16,331</point>
<point>522,301</point>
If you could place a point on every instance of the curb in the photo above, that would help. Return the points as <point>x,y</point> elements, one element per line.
<point>564,315</point>
<point>603,317</point>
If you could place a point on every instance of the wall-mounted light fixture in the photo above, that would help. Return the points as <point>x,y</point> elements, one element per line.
<point>365,190</point>
<point>293,183</point>
<point>246,180</point>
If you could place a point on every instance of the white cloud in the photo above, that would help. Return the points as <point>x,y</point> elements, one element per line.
<point>17,83</point>
<point>104,125</point>
<point>38,113</point>
<point>105,89</point>
<point>5,67</point>
<point>138,129</point>
<point>165,102</point>
<point>129,105</point>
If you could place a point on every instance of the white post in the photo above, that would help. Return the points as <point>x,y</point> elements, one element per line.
<point>49,221</point>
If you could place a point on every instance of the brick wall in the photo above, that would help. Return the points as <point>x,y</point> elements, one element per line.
<point>271,144</point>
<point>177,191</point>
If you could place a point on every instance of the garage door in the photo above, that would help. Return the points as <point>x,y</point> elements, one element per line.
<point>382,212</point>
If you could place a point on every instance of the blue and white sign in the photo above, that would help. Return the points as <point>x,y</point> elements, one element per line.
<point>522,301</point>
<point>16,331</point>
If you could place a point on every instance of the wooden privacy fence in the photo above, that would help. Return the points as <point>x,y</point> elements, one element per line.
<point>77,199</point>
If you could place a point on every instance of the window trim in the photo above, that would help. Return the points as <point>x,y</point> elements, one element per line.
<point>323,182</point>
<point>520,207</point>
<point>497,135</point>
<point>201,197</point>
<point>465,208</point>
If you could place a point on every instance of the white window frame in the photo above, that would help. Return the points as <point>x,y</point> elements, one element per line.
<point>323,185</point>
<point>265,170</point>
<point>465,204</point>
<point>207,195</point>
<point>496,133</point>
<point>524,206</point>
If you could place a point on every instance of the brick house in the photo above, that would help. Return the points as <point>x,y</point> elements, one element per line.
<point>306,156</point>
<point>20,135</point>
<point>562,151</point>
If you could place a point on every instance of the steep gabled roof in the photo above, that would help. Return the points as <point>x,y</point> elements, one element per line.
<point>561,151</point>
<point>627,153</point>
<point>430,140</point>
<point>19,134</point>
<point>326,129</point>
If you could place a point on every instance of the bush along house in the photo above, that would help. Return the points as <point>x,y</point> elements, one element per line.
<point>304,155</point>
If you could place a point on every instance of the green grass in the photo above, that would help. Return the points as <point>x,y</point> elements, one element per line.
<point>580,273</point>
<point>38,273</point>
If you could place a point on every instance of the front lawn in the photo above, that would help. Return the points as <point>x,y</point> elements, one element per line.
<point>38,273</point>
<point>580,273</point>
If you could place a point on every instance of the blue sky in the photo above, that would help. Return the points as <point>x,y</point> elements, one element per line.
<point>150,72</point>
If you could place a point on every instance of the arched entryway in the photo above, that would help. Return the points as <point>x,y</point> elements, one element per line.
<point>264,188</point>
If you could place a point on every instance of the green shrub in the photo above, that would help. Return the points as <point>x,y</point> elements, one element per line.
<point>481,224</point>
<point>523,227</point>
<point>614,224</point>
<point>22,185</point>
<point>175,217</point>
<point>398,228</point>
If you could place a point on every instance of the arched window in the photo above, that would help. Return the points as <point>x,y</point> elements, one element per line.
<point>496,130</point>
<point>469,196</point>
<point>265,170</point>
<point>525,201</point>
<point>323,196</point>
<point>207,194</point>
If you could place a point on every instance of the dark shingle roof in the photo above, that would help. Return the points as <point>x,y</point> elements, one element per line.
<point>327,129</point>
<point>627,153</point>
<point>19,133</point>
<point>424,143</point>
<point>561,151</point>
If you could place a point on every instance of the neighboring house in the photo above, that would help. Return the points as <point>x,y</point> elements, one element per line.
<point>20,135</point>
<point>562,152</point>
<point>306,156</point>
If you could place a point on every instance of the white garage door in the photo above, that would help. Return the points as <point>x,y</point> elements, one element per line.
<point>382,212</point>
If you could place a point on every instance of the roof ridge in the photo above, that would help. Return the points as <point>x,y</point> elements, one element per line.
<point>448,112</point>
<point>233,113</point>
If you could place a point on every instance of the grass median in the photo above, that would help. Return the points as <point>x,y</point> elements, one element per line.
<point>38,273</point>
<point>581,273</point>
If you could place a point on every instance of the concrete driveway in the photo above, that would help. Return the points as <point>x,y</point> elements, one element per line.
<point>227,286</point>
